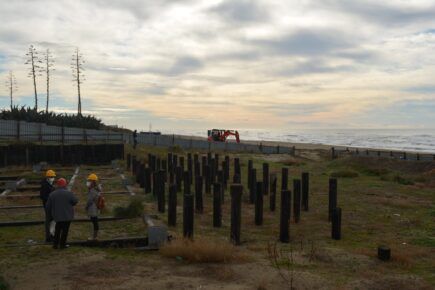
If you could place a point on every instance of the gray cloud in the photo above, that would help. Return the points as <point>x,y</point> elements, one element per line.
<point>381,12</point>
<point>307,42</point>
<point>313,66</point>
<point>184,65</point>
<point>245,11</point>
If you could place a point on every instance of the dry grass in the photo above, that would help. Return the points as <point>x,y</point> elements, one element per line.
<point>203,251</point>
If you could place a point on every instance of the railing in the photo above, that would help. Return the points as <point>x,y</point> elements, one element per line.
<point>363,152</point>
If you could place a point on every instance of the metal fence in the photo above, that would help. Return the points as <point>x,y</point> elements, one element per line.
<point>39,132</point>
<point>363,152</point>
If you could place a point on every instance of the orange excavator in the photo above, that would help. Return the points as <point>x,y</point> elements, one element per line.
<point>220,135</point>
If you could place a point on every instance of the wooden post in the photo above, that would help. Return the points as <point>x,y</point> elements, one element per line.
<point>165,169</point>
<point>174,161</point>
<point>161,191</point>
<point>236,213</point>
<point>237,169</point>
<point>212,168</point>
<point>384,253</point>
<point>128,161</point>
<point>170,159</point>
<point>266,178</point>
<point>259,204</point>
<point>190,166</point>
<point>336,224</point>
<point>332,197</point>
<point>217,205</point>
<point>305,190</point>
<point>133,167</point>
<point>220,180</point>
<point>227,168</point>
<point>216,162</point>
<point>188,216</point>
<point>182,162</point>
<point>197,169</point>
<point>332,153</point>
<point>253,186</point>
<point>250,166</point>
<point>296,200</point>
<point>147,176</point>
<point>172,206</point>
<point>207,179</point>
<point>198,195</point>
<point>284,235</point>
<point>272,200</point>
<point>141,175</point>
<point>178,177</point>
<point>404,155</point>
<point>284,178</point>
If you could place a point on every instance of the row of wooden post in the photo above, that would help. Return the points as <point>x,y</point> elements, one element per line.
<point>158,172</point>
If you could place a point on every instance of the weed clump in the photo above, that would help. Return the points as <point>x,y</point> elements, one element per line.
<point>344,174</point>
<point>402,180</point>
<point>202,251</point>
<point>134,209</point>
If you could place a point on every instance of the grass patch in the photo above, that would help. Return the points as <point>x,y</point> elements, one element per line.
<point>344,173</point>
<point>134,209</point>
<point>402,180</point>
<point>292,162</point>
<point>202,251</point>
<point>425,241</point>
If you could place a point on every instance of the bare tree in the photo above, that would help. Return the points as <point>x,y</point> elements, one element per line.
<point>11,85</point>
<point>49,63</point>
<point>78,76</point>
<point>35,68</point>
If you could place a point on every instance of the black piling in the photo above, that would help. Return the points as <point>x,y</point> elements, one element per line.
<point>336,224</point>
<point>188,215</point>
<point>305,190</point>
<point>147,177</point>
<point>253,186</point>
<point>296,200</point>
<point>284,235</point>
<point>272,198</point>
<point>284,178</point>
<point>259,203</point>
<point>236,213</point>
<point>172,206</point>
<point>198,195</point>
<point>161,191</point>
<point>266,178</point>
<point>220,180</point>
<point>217,205</point>
<point>190,166</point>
<point>250,166</point>
<point>207,179</point>
<point>384,253</point>
<point>227,168</point>
<point>332,197</point>
<point>178,177</point>
<point>237,170</point>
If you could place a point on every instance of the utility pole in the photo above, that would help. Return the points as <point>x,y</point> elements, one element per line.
<point>33,61</point>
<point>78,77</point>
<point>48,58</point>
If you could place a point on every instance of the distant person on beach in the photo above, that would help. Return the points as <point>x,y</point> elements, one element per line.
<point>134,139</point>
<point>60,206</point>
<point>46,189</point>
<point>95,202</point>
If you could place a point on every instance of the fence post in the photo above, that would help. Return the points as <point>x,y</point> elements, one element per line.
<point>250,166</point>
<point>178,177</point>
<point>147,177</point>
<point>272,200</point>
<point>217,206</point>
<point>284,236</point>
<point>236,212</point>
<point>284,178</point>
<point>253,186</point>
<point>259,203</point>
<point>296,200</point>
<point>332,153</point>
<point>161,191</point>
<point>332,197</point>
<point>188,216</point>
<point>198,195</point>
<point>305,190</point>
<point>237,169</point>
<point>336,224</point>
<point>266,178</point>
<point>172,205</point>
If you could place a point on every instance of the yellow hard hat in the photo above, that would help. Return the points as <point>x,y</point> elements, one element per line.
<point>93,177</point>
<point>50,173</point>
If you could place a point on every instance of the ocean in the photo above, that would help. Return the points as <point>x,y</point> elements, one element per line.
<point>421,140</point>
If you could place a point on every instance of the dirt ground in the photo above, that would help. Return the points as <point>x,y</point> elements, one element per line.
<point>394,206</point>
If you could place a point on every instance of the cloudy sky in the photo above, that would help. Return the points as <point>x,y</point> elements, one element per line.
<point>233,64</point>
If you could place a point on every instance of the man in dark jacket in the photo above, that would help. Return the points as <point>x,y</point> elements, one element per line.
<point>46,189</point>
<point>60,205</point>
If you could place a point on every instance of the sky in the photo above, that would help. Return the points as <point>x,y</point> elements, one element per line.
<point>235,64</point>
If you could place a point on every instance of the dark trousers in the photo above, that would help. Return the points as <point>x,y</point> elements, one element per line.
<point>48,220</point>
<point>61,234</point>
<point>94,220</point>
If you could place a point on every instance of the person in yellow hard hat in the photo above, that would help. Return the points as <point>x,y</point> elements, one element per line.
<point>46,189</point>
<point>95,202</point>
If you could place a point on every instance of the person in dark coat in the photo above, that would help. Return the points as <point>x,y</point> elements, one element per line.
<point>60,205</point>
<point>46,189</point>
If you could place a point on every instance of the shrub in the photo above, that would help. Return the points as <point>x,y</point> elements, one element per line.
<point>134,209</point>
<point>344,173</point>
<point>202,251</point>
